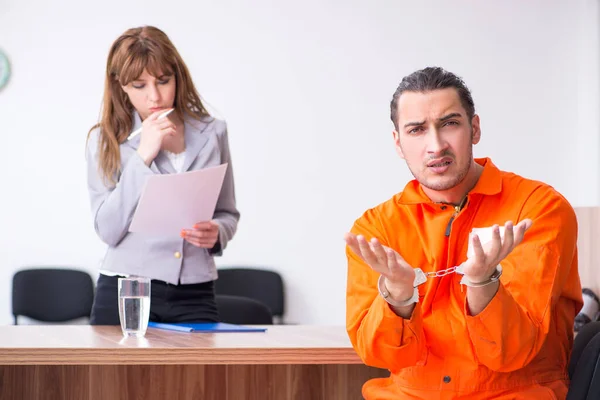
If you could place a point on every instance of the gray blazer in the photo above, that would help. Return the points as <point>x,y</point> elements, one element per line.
<point>169,259</point>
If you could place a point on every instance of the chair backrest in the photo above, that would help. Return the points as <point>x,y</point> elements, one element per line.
<point>260,284</point>
<point>584,366</point>
<point>52,294</point>
<point>242,310</point>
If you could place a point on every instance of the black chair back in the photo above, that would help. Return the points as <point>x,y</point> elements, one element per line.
<point>584,366</point>
<point>52,294</point>
<point>242,311</point>
<point>263,285</point>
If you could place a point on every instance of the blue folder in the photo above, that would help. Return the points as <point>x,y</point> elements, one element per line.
<point>205,327</point>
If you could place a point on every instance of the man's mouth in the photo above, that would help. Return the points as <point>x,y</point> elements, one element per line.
<point>439,163</point>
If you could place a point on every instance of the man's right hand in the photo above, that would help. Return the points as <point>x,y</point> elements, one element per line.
<point>154,130</point>
<point>399,275</point>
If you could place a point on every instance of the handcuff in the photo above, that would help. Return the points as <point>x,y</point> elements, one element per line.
<point>421,278</point>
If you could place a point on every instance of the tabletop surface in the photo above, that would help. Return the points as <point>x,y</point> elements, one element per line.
<point>85,344</point>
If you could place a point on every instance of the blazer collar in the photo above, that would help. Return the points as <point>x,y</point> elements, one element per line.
<point>195,139</point>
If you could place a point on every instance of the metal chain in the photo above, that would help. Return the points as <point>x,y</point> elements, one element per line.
<point>440,273</point>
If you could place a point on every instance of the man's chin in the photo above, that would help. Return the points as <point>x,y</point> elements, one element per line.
<point>439,184</point>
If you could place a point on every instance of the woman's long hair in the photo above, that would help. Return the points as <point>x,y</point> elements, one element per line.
<point>135,50</point>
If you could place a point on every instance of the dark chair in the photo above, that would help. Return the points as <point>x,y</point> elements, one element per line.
<point>263,285</point>
<point>242,310</point>
<point>584,366</point>
<point>52,294</point>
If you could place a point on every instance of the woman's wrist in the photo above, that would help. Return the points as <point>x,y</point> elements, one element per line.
<point>145,158</point>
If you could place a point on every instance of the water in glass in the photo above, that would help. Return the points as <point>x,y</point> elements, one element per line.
<point>135,311</point>
<point>134,305</point>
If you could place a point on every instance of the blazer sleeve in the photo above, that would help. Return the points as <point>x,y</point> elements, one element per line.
<point>226,214</point>
<point>113,205</point>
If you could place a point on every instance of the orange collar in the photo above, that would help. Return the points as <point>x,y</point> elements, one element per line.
<point>489,183</point>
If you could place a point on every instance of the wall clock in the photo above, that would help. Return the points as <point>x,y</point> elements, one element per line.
<point>4,69</point>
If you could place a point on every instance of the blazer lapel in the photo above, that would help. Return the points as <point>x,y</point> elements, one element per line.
<point>194,141</point>
<point>163,164</point>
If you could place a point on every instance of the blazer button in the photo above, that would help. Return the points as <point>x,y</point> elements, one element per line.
<point>177,254</point>
<point>447,379</point>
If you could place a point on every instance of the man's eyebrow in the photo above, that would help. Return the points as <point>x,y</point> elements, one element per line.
<point>442,119</point>
<point>413,124</point>
<point>447,117</point>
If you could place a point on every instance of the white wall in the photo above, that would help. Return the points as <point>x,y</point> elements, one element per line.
<point>305,88</point>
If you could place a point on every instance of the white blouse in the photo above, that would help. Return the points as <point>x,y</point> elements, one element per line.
<point>176,160</point>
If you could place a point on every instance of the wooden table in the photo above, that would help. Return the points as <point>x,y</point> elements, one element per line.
<point>82,362</point>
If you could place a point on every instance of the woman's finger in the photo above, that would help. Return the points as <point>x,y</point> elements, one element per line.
<point>200,244</point>
<point>198,234</point>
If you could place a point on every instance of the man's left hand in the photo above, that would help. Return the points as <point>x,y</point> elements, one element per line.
<point>482,264</point>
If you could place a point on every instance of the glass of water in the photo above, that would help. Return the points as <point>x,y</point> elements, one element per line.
<point>134,305</point>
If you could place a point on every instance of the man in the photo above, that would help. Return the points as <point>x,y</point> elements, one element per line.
<point>501,327</point>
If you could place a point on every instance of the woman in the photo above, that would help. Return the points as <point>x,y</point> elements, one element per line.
<point>145,76</point>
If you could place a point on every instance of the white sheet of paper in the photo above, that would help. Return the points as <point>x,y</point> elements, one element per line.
<point>172,202</point>
<point>485,236</point>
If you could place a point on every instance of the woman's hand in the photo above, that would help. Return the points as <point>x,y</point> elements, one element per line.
<point>154,130</point>
<point>203,234</point>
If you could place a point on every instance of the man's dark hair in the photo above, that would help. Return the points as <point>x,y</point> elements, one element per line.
<point>428,79</point>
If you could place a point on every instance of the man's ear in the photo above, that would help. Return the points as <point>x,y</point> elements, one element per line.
<point>476,129</point>
<point>397,143</point>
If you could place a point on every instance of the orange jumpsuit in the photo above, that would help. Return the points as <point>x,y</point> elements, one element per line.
<point>519,346</point>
